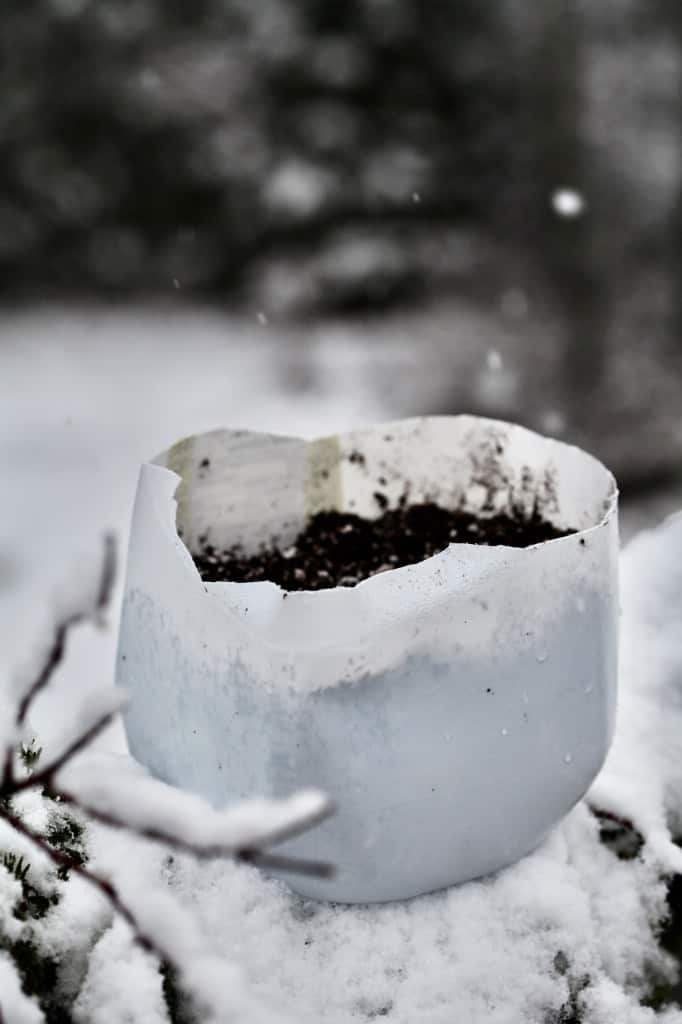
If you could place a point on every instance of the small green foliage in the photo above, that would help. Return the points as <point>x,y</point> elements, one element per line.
<point>34,903</point>
<point>561,963</point>
<point>38,971</point>
<point>30,755</point>
<point>571,1011</point>
<point>618,834</point>
<point>66,833</point>
<point>664,990</point>
<point>177,1003</point>
<point>16,866</point>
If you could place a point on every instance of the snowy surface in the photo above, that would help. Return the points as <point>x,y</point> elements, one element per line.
<point>504,950</point>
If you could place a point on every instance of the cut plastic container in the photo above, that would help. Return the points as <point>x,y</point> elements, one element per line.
<point>454,709</point>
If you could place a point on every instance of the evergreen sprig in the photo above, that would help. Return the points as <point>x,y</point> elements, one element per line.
<point>16,865</point>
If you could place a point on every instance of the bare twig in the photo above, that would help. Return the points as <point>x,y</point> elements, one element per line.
<point>296,828</point>
<point>294,865</point>
<point>108,574</point>
<point>53,660</point>
<point>55,654</point>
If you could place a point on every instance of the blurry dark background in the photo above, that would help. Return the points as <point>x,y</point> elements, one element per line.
<point>499,183</point>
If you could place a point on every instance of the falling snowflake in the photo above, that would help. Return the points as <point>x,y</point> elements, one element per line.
<point>567,202</point>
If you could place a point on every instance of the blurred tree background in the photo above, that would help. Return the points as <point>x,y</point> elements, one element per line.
<point>311,158</point>
<point>212,142</point>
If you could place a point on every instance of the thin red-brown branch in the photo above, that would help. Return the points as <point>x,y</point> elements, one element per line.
<point>53,660</point>
<point>107,577</point>
<point>55,653</point>
<point>293,865</point>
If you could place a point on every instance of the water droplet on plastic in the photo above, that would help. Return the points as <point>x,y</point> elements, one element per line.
<point>580,604</point>
<point>416,198</point>
<point>505,732</point>
<point>589,688</point>
<point>262,319</point>
<point>448,737</point>
<point>541,655</point>
<point>568,758</point>
<point>524,697</point>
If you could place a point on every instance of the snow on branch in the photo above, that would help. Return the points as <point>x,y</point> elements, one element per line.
<point>154,810</point>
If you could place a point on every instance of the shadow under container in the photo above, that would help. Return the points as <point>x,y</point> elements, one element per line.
<point>454,709</point>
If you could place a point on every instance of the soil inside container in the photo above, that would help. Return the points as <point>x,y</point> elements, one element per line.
<point>341,549</point>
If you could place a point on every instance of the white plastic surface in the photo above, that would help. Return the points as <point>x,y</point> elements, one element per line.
<point>454,709</point>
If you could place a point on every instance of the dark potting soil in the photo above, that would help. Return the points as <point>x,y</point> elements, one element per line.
<point>340,549</point>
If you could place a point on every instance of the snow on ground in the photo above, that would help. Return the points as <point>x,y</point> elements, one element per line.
<point>84,400</point>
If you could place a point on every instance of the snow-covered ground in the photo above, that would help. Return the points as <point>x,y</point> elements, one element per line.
<point>84,399</point>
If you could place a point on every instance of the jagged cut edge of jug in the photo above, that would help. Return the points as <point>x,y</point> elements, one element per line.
<point>462,462</point>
